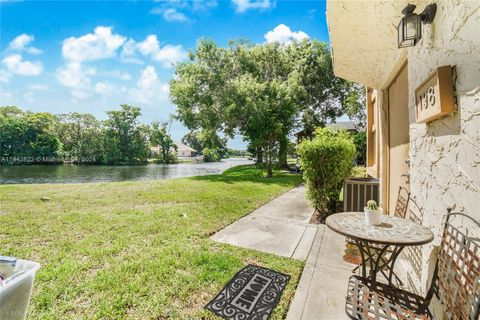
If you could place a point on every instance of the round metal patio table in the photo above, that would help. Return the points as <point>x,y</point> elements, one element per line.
<point>392,236</point>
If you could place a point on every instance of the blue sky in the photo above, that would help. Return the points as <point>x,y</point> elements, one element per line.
<point>91,56</point>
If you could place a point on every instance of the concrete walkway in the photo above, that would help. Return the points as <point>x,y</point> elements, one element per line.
<point>280,227</point>
<point>322,288</point>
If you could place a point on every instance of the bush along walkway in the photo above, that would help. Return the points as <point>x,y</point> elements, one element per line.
<point>280,227</point>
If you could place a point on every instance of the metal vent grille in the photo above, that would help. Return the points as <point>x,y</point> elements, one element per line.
<point>357,191</point>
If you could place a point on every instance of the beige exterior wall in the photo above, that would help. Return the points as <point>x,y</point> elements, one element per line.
<point>445,153</point>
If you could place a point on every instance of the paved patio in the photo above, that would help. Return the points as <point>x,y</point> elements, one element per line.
<point>321,291</point>
<point>280,227</point>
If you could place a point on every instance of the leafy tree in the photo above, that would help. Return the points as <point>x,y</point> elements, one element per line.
<point>263,91</point>
<point>211,140</point>
<point>200,92</point>
<point>160,137</point>
<point>27,135</point>
<point>322,94</point>
<point>125,138</point>
<point>201,139</point>
<point>326,160</point>
<point>191,139</point>
<point>265,96</point>
<point>210,155</point>
<point>15,133</point>
<point>199,88</point>
<point>354,104</point>
<point>81,137</point>
<point>238,153</point>
<point>45,142</point>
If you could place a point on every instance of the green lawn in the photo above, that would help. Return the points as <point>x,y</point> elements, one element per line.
<point>137,250</point>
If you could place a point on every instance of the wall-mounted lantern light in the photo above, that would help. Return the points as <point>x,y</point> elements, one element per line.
<point>410,27</point>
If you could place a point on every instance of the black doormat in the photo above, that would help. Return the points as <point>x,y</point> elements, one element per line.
<point>252,294</point>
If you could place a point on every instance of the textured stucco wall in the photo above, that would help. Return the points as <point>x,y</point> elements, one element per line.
<point>357,28</point>
<point>445,154</point>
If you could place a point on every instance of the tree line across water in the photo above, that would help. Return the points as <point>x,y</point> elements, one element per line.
<point>264,92</point>
<point>42,137</point>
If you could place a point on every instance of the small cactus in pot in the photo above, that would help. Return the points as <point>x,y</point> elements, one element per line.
<point>372,205</point>
<point>373,214</point>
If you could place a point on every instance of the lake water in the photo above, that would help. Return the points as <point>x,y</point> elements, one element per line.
<point>85,173</point>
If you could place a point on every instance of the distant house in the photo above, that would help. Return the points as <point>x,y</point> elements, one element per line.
<point>344,125</point>
<point>185,151</point>
<point>182,150</point>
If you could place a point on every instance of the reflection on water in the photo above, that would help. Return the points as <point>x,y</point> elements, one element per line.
<point>85,173</point>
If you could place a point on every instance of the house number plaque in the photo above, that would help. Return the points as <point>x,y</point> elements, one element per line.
<point>434,97</point>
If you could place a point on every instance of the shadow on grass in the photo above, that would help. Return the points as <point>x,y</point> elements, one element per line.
<point>252,173</point>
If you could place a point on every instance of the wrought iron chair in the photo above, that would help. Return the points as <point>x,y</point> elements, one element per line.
<point>401,207</point>
<point>414,254</point>
<point>403,198</point>
<point>456,282</point>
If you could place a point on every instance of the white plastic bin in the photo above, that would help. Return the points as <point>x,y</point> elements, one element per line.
<point>16,289</point>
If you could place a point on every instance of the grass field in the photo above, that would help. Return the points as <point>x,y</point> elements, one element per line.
<point>136,250</point>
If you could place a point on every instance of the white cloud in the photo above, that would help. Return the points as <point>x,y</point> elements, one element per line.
<point>128,54</point>
<point>150,47</point>
<point>148,88</point>
<point>283,34</point>
<point>4,76</point>
<point>169,55</point>
<point>101,44</point>
<point>16,65</point>
<point>77,75</point>
<point>38,87</point>
<point>172,14</point>
<point>124,76</point>
<point>6,98</point>
<point>104,88</point>
<point>21,43</point>
<point>78,78</point>
<point>74,75</point>
<point>116,74</point>
<point>201,5</point>
<point>81,94</point>
<point>29,96</point>
<point>176,10</point>
<point>244,5</point>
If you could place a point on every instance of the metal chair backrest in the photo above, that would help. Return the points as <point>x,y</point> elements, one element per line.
<point>402,202</point>
<point>458,271</point>
<point>414,254</point>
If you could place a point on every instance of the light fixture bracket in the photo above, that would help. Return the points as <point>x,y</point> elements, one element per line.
<point>429,13</point>
<point>408,9</point>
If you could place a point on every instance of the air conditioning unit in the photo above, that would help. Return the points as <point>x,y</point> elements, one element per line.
<point>357,191</point>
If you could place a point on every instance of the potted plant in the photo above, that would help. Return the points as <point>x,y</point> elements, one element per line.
<point>373,214</point>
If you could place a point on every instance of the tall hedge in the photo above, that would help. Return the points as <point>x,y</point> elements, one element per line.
<point>326,160</point>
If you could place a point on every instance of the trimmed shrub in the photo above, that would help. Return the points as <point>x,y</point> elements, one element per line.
<point>326,160</point>
<point>210,155</point>
<point>360,140</point>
